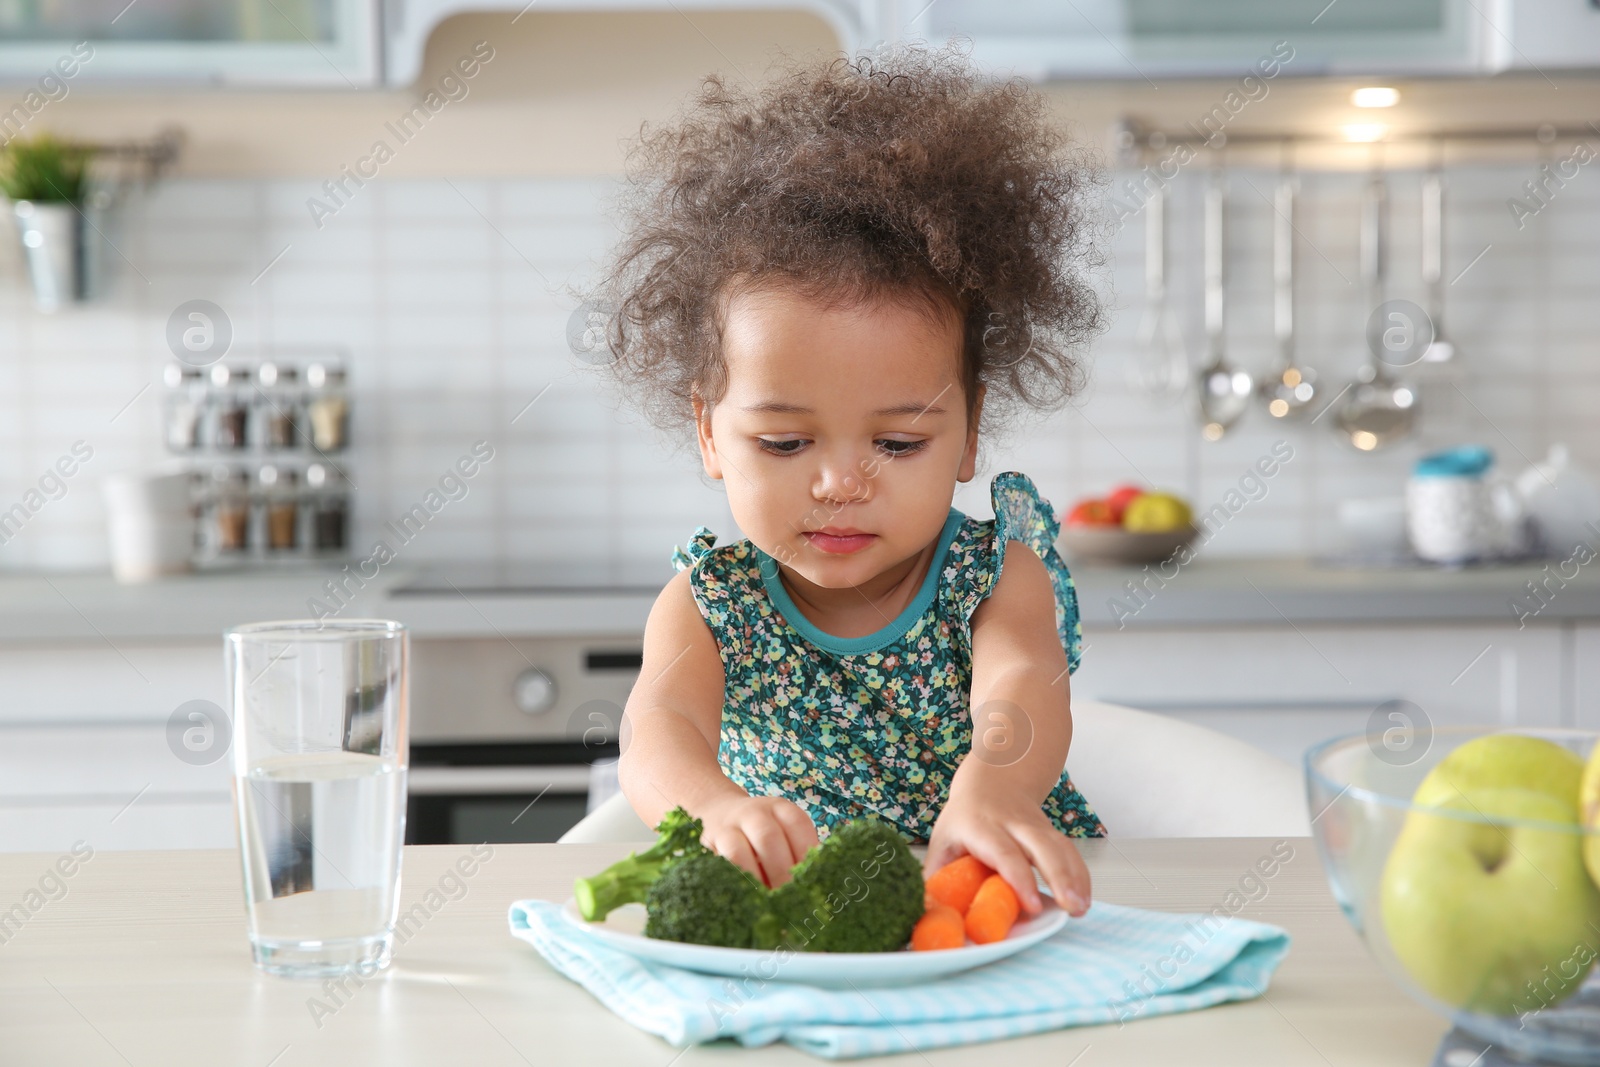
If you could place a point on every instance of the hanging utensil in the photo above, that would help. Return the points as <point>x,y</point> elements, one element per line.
<point>1160,367</point>
<point>1290,393</point>
<point>1376,410</point>
<point>1439,350</point>
<point>1224,388</point>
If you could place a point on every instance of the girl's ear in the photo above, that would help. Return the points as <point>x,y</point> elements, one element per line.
<point>969,457</point>
<point>708,446</point>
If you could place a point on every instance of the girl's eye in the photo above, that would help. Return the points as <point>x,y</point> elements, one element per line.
<point>786,446</point>
<point>891,447</point>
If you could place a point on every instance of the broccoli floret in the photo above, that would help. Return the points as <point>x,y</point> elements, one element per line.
<point>628,881</point>
<point>859,891</point>
<point>705,899</point>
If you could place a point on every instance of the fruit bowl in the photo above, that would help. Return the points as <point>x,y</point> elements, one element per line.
<point>1474,895</point>
<point>1113,544</point>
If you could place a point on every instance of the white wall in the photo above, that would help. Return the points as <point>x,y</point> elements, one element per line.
<point>452,297</point>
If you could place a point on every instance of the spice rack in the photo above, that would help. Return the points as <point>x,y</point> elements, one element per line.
<point>262,439</point>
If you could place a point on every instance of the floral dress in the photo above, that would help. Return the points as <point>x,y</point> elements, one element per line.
<point>847,727</point>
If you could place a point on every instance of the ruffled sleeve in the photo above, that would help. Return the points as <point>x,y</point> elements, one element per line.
<point>698,548</point>
<point>1021,514</point>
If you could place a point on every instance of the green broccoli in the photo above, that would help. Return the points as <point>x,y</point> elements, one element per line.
<point>859,891</point>
<point>628,881</point>
<point>705,899</point>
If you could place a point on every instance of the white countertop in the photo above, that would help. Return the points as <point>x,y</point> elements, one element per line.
<point>89,606</point>
<point>144,961</point>
<point>40,607</point>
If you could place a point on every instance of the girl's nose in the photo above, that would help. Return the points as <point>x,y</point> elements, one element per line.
<point>840,481</point>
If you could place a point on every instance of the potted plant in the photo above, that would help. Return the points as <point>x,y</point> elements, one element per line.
<point>47,182</point>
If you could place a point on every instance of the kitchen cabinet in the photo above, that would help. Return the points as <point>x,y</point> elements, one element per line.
<point>1583,652</point>
<point>1138,39</point>
<point>407,23</point>
<point>326,43</point>
<point>1285,687</point>
<point>84,753</point>
<point>113,785</point>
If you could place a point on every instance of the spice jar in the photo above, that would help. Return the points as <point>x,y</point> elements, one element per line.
<point>231,416</point>
<point>330,508</point>
<point>277,405</point>
<point>229,526</point>
<point>282,507</point>
<point>327,410</point>
<point>186,392</point>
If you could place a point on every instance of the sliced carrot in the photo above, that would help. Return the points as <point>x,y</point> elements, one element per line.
<point>957,882</point>
<point>993,912</point>
<point>941,926</point>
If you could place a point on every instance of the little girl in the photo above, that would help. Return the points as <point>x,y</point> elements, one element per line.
<point>836,280</point>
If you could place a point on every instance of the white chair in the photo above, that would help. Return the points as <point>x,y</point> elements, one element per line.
<point>1146,775</point>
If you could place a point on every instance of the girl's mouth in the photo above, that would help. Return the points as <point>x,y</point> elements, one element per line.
<point>839,542</point>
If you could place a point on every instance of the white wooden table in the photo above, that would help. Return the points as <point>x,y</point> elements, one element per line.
<point>143,962</point>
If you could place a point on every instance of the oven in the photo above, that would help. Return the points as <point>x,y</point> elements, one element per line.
<point>516,738</point>
<point>513,739</point>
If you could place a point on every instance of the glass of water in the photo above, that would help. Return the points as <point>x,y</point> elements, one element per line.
<point>319,785</point>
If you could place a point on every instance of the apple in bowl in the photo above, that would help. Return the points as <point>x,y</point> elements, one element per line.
<point>1464,871</point>
<point>1130,525</point>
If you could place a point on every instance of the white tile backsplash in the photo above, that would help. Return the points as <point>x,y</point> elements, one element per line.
<point>452,299</point>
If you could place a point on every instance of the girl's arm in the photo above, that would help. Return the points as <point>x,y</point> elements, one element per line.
<point>1022,728</point>
<point>669,752</point>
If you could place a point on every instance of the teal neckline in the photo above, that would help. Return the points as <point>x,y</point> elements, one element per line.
<point>851,646</point>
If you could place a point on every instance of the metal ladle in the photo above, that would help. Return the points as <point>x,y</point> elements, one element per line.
<point>1160,368</point>
<point>1291,392</point>
<point>1224,388</point>
<point>1376,410</point>
<point>1439,350</point>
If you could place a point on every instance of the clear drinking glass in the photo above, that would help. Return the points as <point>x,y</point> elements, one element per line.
<point>319,782</point>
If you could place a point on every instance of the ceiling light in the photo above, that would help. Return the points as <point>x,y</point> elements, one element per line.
<point>1365,131</point>
<point>1375,96</point>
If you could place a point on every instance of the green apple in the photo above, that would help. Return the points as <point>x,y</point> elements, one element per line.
<point>1491,909</point>
<point>1505,761</point>
<point>1589,813</point>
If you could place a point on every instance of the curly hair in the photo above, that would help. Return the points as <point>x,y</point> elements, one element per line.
<point>901,176</point>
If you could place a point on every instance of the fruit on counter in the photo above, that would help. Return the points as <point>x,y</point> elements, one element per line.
<point>1091,513</point>
<point>1505,761</point>
<point>1133,509</point>
<point>1156,513</point>
<point>861,890</point>
<point>1589,812</point>
<point>1119,499</point>
<point>1487,902</point>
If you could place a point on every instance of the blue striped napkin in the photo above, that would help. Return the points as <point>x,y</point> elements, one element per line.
<point>1113,965</point>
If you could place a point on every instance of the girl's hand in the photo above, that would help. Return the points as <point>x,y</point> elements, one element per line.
<point>766,836</point>
<point>1011,835</point>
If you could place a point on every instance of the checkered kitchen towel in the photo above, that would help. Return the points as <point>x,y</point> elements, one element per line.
<point>1114,964</point>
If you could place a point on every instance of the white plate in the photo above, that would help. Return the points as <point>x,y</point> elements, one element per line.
<point>623,929</point>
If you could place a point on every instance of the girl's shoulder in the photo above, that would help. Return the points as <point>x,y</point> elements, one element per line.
<point>978,554</point>
<point>718,572</point>
<point>1020,514</point>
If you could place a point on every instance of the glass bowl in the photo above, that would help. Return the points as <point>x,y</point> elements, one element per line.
<point>1478,901</point>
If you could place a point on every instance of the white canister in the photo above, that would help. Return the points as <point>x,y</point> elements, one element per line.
<point>1450,513</point>
<point>152,526</point>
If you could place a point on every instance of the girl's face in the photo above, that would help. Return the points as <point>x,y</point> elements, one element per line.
<point>842,431</point>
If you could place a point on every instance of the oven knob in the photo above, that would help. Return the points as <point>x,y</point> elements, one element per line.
<point>534,691</point>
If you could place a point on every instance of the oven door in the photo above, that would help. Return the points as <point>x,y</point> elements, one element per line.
<point>467,794</point>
